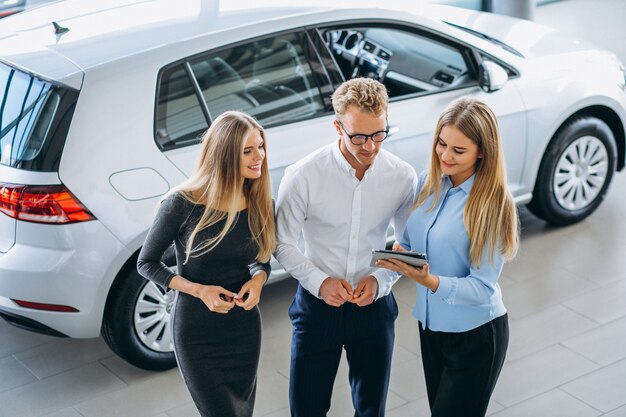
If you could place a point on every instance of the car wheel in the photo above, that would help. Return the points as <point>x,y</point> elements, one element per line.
<point>575,172</point>
<point>136,323</point>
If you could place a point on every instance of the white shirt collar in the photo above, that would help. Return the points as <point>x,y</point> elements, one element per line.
<point>345,165</point>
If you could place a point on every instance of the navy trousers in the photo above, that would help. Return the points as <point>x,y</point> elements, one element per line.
<point>320,332</point>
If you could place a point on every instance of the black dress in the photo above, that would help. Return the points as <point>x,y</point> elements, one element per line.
<point>218,354</point>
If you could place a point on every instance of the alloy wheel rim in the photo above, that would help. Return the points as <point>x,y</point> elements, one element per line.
<point>152,317</point>
<point>580,173</point>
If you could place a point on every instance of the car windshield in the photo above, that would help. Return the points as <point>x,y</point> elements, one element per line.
<point>34,116</point>
<point>495,41</point>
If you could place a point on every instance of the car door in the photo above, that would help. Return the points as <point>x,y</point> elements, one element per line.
<point>423,72</point>
<point>278,79</point>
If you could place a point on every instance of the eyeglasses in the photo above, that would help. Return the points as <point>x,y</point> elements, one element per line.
<point>360,139</point>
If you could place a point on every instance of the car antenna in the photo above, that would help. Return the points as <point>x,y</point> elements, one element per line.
<point>58,29</point>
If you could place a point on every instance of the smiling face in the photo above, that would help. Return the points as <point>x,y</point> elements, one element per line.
<point>457,154</point>
<point>252,156</point>
<point>353,122</point>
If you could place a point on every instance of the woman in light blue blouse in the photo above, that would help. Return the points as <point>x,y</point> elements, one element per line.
<point>465,220</point>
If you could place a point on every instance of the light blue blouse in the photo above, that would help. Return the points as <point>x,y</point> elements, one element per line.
<point>468,296</point>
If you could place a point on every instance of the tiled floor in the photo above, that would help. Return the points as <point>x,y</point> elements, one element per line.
<point>565,294</point>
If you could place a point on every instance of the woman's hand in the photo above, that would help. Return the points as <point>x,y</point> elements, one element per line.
<point>421,275</point>
<point>250,294</point>
<point>216,298</point>
<point>398,247</point>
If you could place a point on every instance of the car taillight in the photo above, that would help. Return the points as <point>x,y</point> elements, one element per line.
<point>45,306</point>
<point>53,204</point>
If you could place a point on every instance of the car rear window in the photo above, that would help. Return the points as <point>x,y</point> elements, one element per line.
<point>34,120</point>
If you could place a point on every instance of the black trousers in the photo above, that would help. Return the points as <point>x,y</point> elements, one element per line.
<point>320,332</point>
<point>462,369</point>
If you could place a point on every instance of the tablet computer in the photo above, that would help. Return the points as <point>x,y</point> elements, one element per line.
<point>411,258</point>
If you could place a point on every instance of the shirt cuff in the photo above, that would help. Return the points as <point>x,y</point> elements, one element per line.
<point>314,282</point>
<point>384,284</point>
<point>447,289</point>
<point>166,284</point>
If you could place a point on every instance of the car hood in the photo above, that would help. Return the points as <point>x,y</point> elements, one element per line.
<point>528,38</point>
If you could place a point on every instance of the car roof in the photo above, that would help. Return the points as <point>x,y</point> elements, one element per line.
<point>127,26</point>
<point>100,32</point>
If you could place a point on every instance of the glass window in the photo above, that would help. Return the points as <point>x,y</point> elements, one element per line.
<point>34,119</point>
<point>269,79</point>
<point>406,62</point>
<point>180,120</point>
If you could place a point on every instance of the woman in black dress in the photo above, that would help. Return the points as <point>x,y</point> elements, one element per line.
<point>221,221</point>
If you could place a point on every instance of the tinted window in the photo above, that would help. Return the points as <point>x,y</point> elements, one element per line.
<point>180,119</point>
<point>270,79</point>
<point>34,120</point>
<point>406,62</point>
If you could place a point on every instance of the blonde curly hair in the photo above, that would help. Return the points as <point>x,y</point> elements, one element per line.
<point>366,94</point>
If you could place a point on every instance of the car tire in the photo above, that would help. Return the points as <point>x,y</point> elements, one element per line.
<point>575,172</point>
<point>136,323</point>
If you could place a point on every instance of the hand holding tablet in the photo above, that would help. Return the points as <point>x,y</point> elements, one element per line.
<point>411,258</point>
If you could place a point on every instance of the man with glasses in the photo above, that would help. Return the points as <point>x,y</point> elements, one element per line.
<point>341,200</point>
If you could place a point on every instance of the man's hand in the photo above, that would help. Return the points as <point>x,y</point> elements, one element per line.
<point>335,291</point>
<point>365,291</point>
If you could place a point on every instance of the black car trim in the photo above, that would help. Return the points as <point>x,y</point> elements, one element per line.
<point>29,324</point>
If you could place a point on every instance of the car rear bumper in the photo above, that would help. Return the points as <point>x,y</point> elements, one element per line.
<point>65,265</point>
<point>28,324</point>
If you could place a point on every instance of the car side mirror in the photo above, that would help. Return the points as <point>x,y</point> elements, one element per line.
<point>492,76</point>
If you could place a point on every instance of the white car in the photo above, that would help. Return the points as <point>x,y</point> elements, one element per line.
<point>102,105</point>
<point>9,7</point>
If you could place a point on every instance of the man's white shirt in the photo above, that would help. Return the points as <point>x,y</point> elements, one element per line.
<point>341,218</point>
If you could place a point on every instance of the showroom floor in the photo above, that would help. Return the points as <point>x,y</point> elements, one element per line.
<point>565,294</point>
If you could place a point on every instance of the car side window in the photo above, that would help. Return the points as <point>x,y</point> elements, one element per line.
<point>270,79</point>
<point>179,120</point>
<point>407,63</point>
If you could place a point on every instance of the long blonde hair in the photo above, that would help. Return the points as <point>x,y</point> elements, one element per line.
<point>490,215</point>
<point>216,183</point>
